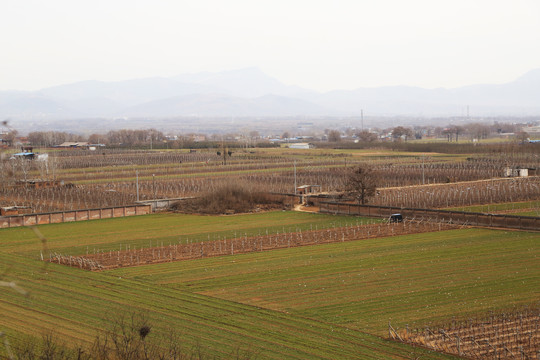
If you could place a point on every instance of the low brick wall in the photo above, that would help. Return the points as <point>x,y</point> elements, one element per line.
<point>455,217</point>
<point>74,215</point>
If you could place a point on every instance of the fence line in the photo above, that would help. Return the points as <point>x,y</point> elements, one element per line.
<point>455,217</point>
<point>73,215</point>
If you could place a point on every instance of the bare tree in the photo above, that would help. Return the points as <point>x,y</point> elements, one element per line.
<point>400,131</point>
<point>361,183</point>
<point>366,136</point>
<point>522,137</point>
<point>334,136</point>
<point>457,130</point>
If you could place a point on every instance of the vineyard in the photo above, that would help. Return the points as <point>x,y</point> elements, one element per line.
<point>503,335</point>
<point>119,177</point>
<point>461,194</point>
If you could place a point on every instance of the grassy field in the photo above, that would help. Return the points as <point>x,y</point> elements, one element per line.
<point>329,301</point>
<point>153,230</point>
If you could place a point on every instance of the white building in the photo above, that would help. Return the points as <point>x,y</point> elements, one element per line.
<point>300,146</point>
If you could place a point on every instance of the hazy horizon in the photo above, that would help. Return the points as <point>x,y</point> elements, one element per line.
<point>314,45</point>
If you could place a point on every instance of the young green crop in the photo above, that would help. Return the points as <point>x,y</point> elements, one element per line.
<point>157,229</point>
<point>411,279</point>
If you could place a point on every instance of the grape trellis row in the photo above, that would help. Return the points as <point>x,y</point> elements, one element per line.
<point>499,336</point>
<point>461,194</point>
<point>185,249</point>
<point>108,178</point>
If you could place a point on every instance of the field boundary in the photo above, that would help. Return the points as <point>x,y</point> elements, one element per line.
<point>58,217</point>
<point>448,216</point>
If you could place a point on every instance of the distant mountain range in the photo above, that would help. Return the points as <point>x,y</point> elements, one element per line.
<point>250,92</point>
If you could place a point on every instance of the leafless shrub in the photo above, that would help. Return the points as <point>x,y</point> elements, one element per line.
<point>227,199</point>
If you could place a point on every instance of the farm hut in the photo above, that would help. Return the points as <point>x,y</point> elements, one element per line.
<point>74,145</point>
<point>301,146</point>
<point>14,210</point>
<point>516,172</point>
<point>308,189</point>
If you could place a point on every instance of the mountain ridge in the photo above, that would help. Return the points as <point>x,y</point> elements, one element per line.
<point>242,92</point>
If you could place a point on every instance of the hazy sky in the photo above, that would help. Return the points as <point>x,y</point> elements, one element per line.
<point>322,45</point>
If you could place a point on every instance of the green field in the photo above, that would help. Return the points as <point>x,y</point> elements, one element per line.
<point>330,301</point>
<point>362,285</point>
<point>153,230</point>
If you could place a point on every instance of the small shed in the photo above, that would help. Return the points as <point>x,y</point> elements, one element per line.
<point>300,146</point>
<point>516,172</point>
<point>23,155</point>
<point>308,189</point>
<point>74,144</point>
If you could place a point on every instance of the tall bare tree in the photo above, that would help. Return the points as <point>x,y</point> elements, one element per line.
<point>334,136</point>
<point>361,183</point>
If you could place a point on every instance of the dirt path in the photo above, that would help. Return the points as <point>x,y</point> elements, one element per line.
<point>309,209</point>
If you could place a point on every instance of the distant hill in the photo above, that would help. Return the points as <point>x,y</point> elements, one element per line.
<point>249,83</point>
<point>250,92</point>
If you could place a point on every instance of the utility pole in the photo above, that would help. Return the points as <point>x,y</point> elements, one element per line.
<point>362,118</point>
<point>137,174</point>
<point>154,185</point>
<point>295,187</point>
<point>224,151</point>
<point>423,169</point>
